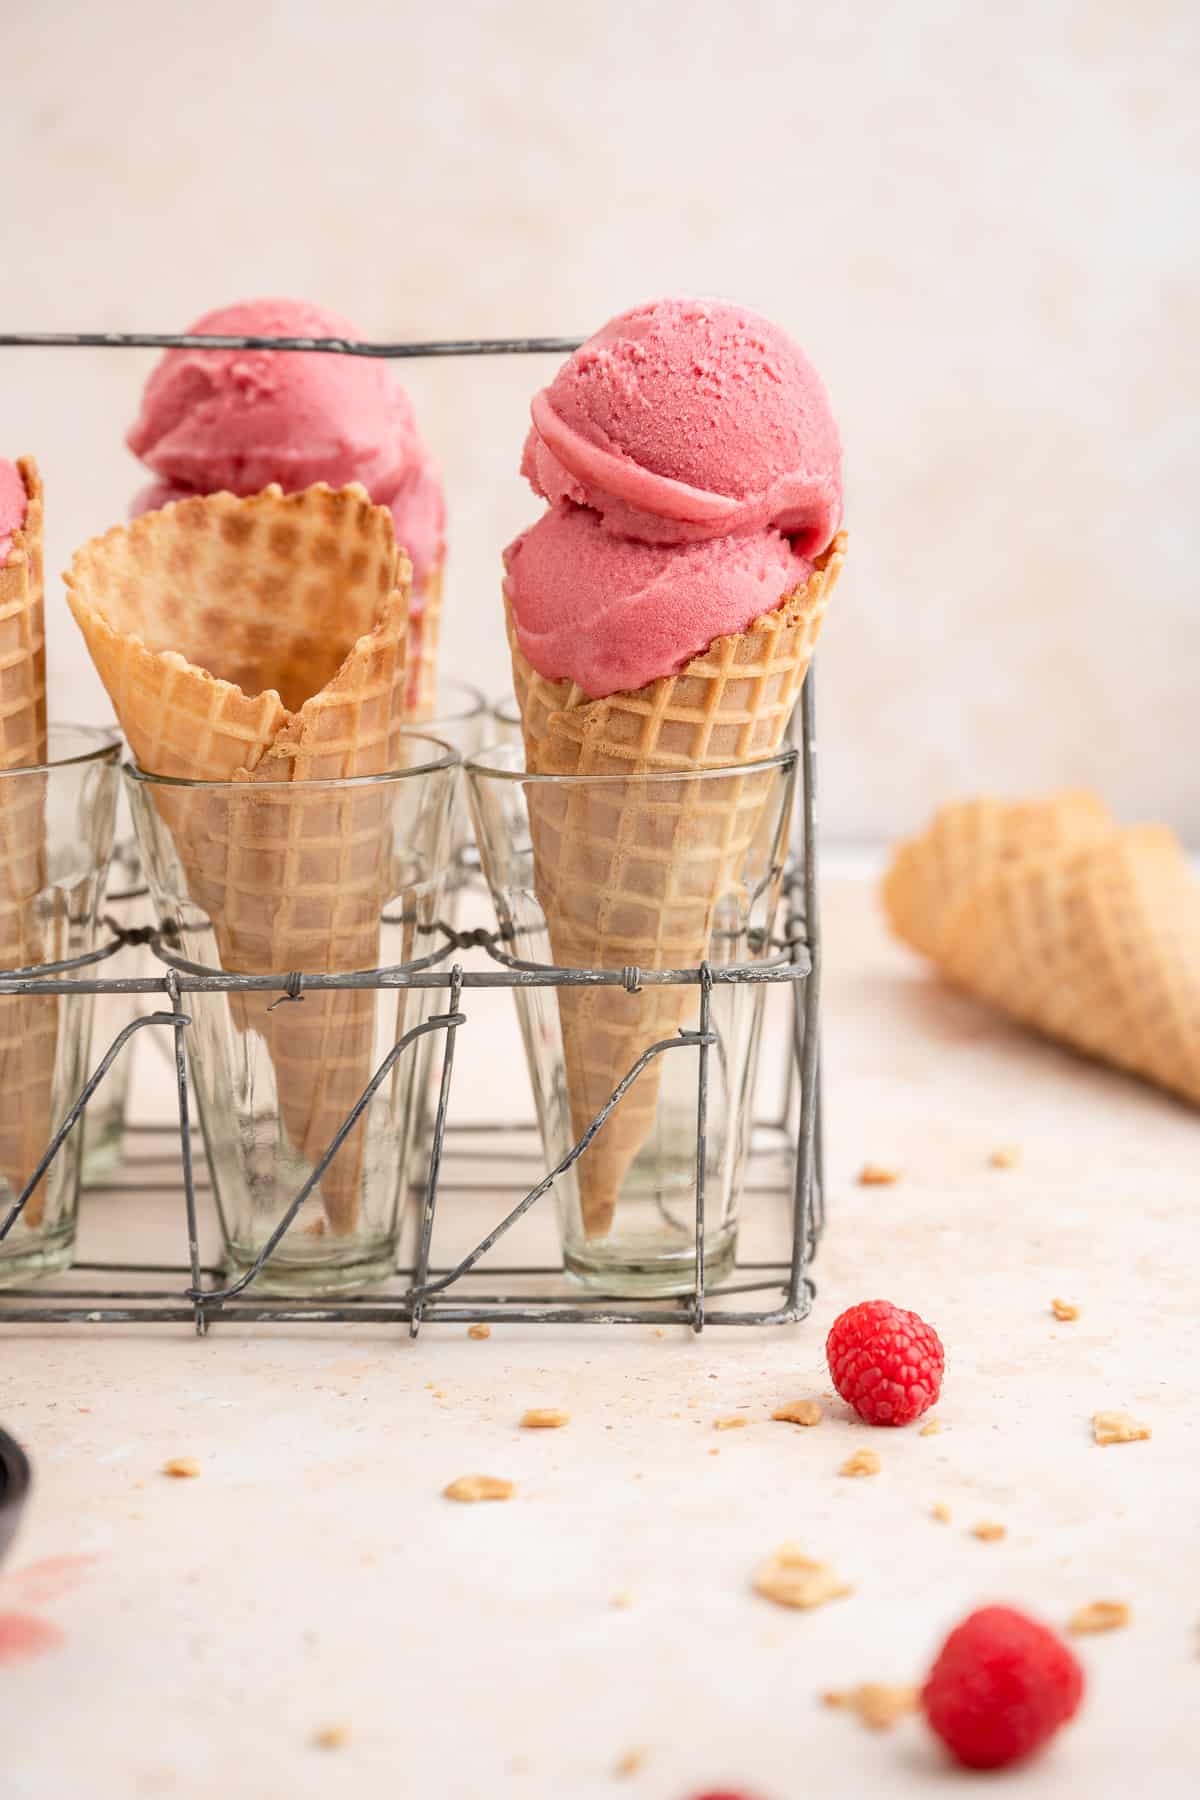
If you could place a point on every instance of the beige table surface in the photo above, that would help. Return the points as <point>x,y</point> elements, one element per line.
<point>313,1576</point>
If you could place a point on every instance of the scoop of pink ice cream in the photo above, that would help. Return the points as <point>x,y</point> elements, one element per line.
<point>14,503</point>
<point>612,613</point>
<point>686,420</point>
<point>241,419</point>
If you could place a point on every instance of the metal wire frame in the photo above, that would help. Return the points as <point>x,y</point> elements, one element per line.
<point>435,1293</point>
<point>425,1297</point>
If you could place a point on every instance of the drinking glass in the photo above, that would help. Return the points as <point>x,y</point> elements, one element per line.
<point>56,834</point>
<point>316,877</point>
<point>631,875</point>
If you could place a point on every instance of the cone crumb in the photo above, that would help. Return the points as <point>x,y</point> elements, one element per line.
<point>1006,1157</point>
<point>331,1737</point>
<point>622,1600</point>
<point>1064,1312</point>
<point>1099,1615</point>
<point>630,1763</point>
<point>799,1412</point>
<point>183,1468</point>
<point>469,1488</point>
<point>988,1532</point>
<point>1117,1428</point>
<point>790,1578</point>
<point>544,1418</point>
<point>941,1512</point>
<point>930,1428</point>
<point>876,1705</point>
<point>877,1175</point>
<point>863,1462</point>
<point>479,1331</point>
<point>732,1422</point>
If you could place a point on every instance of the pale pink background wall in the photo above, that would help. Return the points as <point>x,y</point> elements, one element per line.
<point>979,220</point>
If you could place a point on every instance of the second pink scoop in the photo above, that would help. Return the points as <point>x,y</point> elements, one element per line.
<point>14,503</point>
<point>613,613</point>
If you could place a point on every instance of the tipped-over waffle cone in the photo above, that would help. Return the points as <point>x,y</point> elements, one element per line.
<point>1088,934</point>
<point>28,1025</point>
<point>424,634</point>
<point>930,874</point>
<point>262,641</point>
<point>632,877</point>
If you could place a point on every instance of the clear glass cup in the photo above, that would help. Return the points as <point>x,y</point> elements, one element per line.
<point>462,716</point>
<point>624,874</point>
<point>127,905</point>
<point>317,877</point>
<point>56,835</point>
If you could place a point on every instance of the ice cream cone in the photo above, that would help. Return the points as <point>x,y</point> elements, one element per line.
<point>262,641</point>
<point>1098,946</point>
<point>28,1026</point>
<point>424,632</point>
<point>634,878</point>
<point>931,874</point>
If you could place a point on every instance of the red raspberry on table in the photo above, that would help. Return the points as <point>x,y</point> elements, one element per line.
<point>1001,1686</point>
<point>887,1363</point>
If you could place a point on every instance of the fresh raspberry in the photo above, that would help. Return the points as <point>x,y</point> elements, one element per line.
<point>886,1362</point>
<point>1000,1687</point>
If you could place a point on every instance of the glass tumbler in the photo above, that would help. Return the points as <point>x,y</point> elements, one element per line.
<point>624,873</point>
<point>56,833</point>
<point>127,905</point>
<point>314,877</point>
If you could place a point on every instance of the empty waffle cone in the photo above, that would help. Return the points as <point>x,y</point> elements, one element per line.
<point>262,641</point>
<point>424,634</point>
<point>635,879</point>
<point>931,874</point>
<point>1098,946</point>
<point>28,1025</point>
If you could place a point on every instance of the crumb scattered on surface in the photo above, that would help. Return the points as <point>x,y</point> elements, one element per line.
<point>469,1488</point>
<point>1006,1157</point>
<point>714,1453</point>
<point>479,1331</point>
<point>790,1578</point>
<point>659,1332</point>
<point>630,1763</point>
<point>875,1704</point>
<point>941,1512</point>
<point>877,1175</point>
<point>1117,1428</point>
<point>622,1600</point>
<point>799,1412</point>
<point>732,1422</point>
<point>1064,1312</point>
<point>331,1737</point>
<point>930,1428</point>
<point>544,1418</point>
<point>183,1468</point>
<point>863,1462</point>
<point>1099,1615</point>
<point>989,1532</point>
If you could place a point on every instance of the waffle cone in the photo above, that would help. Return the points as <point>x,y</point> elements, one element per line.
<point>634,877</point>
<point>28,1025</point>
<point>930,875</point>
<point>1098,947</point>
<point>424,634</point>
<point>287,616</point>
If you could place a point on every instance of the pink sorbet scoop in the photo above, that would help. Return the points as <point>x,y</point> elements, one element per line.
<point>241,419</point>
<point>14,503</point>
<point>686,420</point>
<point>612,613</point>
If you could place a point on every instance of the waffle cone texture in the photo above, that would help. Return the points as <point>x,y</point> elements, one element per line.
<point>262,641</point>
<point>28,1025</point>
<point>1083,930</point>
<point>633,875</point>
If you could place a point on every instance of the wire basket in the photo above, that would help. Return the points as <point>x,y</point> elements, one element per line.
<point>785,1165</point>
